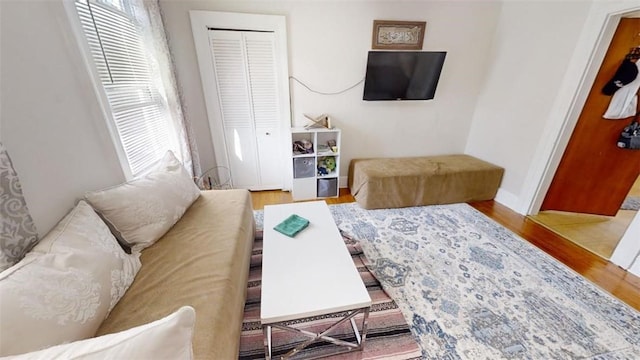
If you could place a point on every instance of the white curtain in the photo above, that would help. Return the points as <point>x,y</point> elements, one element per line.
<point>156,34</point>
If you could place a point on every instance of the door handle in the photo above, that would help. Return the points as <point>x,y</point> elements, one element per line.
<point>268,133</point>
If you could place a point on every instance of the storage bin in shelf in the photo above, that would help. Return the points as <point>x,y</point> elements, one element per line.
<point>304,167</point>
<point>327,187</point>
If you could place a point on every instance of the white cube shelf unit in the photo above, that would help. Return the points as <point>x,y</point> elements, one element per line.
<point>316,163</point>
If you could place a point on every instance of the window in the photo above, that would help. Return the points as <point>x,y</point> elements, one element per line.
<point>122,52</point>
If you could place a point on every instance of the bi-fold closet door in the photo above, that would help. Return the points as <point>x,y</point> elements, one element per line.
<point>246,79</point>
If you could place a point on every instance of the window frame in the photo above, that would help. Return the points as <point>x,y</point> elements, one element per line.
<point>100,92</point>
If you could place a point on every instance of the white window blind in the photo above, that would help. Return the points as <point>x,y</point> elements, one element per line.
<point>127,70</point>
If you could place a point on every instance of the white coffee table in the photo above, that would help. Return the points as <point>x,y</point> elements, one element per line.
<point>309,275</point>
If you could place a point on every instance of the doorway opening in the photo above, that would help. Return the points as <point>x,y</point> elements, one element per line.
<point>597,233</point>
<point>594,176</point>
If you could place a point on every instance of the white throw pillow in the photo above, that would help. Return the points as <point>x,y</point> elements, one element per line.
<point>167,338</point>
<point>144,209</point>
<point>65,287</point>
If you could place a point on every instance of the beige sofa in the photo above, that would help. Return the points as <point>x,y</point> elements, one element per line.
<point>178,294</point>
<point>202,261</point>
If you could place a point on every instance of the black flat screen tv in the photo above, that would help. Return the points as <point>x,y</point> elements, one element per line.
<point>402,75</point>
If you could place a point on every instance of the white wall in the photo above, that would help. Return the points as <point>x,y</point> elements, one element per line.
<point>635,267</point>
<point>628,248</point>
<point>533,46</point>
<point>50,120</point>
<point>328,44</point>
<point>52,125</point>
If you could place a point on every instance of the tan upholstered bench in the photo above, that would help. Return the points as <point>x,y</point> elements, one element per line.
<point>414,181</point>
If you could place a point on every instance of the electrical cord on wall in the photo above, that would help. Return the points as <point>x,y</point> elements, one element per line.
<point>326,93</point>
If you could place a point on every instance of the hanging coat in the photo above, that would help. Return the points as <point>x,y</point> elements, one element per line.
<point>624,102</point>
<point>626,73</point>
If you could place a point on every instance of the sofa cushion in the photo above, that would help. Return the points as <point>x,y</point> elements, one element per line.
<point>17,232</point>
<point>65,287</point>
<point>142,210</point>
<point>167,338</point>
<point>203,262</point>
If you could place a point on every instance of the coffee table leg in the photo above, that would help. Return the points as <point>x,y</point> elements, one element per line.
<point>365,319</point>
<point>361,336</point>
<point>266,331</point>
<point>356,332</point>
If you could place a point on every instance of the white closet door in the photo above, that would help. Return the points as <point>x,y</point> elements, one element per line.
<point>260,50</point>
<point>246,77</point>
<point>228,51</point>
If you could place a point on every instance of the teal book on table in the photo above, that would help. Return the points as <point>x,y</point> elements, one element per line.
<point>292,225</point>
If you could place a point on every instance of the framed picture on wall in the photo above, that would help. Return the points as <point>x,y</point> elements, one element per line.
<point>398,35</point>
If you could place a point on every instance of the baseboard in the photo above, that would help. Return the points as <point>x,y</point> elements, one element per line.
<point>342,182</point>
<point>509,200</point>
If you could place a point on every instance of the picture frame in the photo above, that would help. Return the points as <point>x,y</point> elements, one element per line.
<point>398,35</point>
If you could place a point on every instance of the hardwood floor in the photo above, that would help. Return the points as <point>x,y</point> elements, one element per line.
<point>262,198</point>
<point>611,278</point>
<point>596,233</point>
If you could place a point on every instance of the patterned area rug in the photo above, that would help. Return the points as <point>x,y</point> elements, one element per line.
<point>388,336</point>
<point>472,289</point>
<point>631,203</point>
